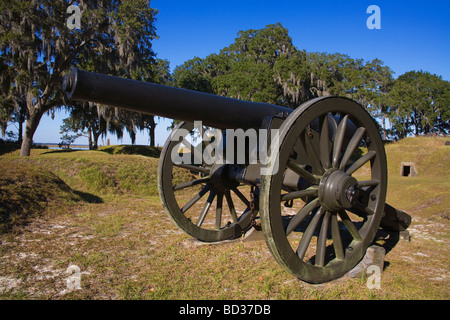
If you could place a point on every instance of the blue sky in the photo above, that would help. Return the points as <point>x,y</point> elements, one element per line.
<point>414,35</point>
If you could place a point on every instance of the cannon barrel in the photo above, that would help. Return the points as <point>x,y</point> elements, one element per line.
<point>170,102</point>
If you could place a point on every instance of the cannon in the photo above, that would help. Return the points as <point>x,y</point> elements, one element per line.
<point>321,199</point>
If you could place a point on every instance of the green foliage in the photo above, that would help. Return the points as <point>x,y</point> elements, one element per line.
<point>245,70</point>
<point>420,104</point>
<point>67,139</point>
<point>193,75</point>
<point>263,65</point>
<point>37,49</point>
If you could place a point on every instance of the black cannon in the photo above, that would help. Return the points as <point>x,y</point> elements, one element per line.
<point>318,195</point>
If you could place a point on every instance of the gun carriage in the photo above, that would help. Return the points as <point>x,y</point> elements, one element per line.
<point>319,209</point>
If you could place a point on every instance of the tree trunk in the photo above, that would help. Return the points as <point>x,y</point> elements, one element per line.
<point>96,135</point>
<point>152,132</point>
<point>152,136</point>
<point>34,117</point>
<point>90,137</point>
<point>20,124</point>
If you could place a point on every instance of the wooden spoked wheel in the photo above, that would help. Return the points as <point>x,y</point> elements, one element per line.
<point>197,196</point>
<point>319,226</point>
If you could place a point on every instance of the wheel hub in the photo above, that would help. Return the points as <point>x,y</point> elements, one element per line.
<point>219,179</point>
<point>338,190</point>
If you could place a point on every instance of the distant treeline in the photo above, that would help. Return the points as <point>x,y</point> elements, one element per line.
<point>37,48</point>
<point>263,65</point>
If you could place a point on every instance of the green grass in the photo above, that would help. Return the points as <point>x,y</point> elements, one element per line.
<point>30,185</point>
<point>27,190</point>
<point>427,193</point>
<point>100,211</point>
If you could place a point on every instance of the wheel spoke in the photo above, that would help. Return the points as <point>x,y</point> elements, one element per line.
<point>350,225</point>
<point>306,238</point>
<point>241,196</point>
<point>325,144</point>
<point>219,210</point>
<point>206,207</point>
<point>360,162</point>
<point>197,212</point>
<point>368,183</point>
<point>197,197</point>
<point>352,145</point>
<point>336,189</point>
<point>192,168</point>
<point>190,183</point>
<point>338,140</point>
<point>313,191</point>
<point>301,215</point>
<point>312,155</point>
<point>302,172</point>
<point>231,206</point>
<point>336,236</point>
<point>322,241</point>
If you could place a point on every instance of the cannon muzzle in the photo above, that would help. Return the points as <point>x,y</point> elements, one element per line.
<point>165,101</point>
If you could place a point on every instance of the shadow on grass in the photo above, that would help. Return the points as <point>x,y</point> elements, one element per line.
<point>389,239</point>
<point>33,195</point>
<point>148,151</point>
<point>88,197</point>
<point>7,147</point>
<point>61,151</point>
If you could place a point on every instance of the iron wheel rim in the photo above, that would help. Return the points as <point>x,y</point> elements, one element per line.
<point>271,218</point>
<point>217,199</point>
